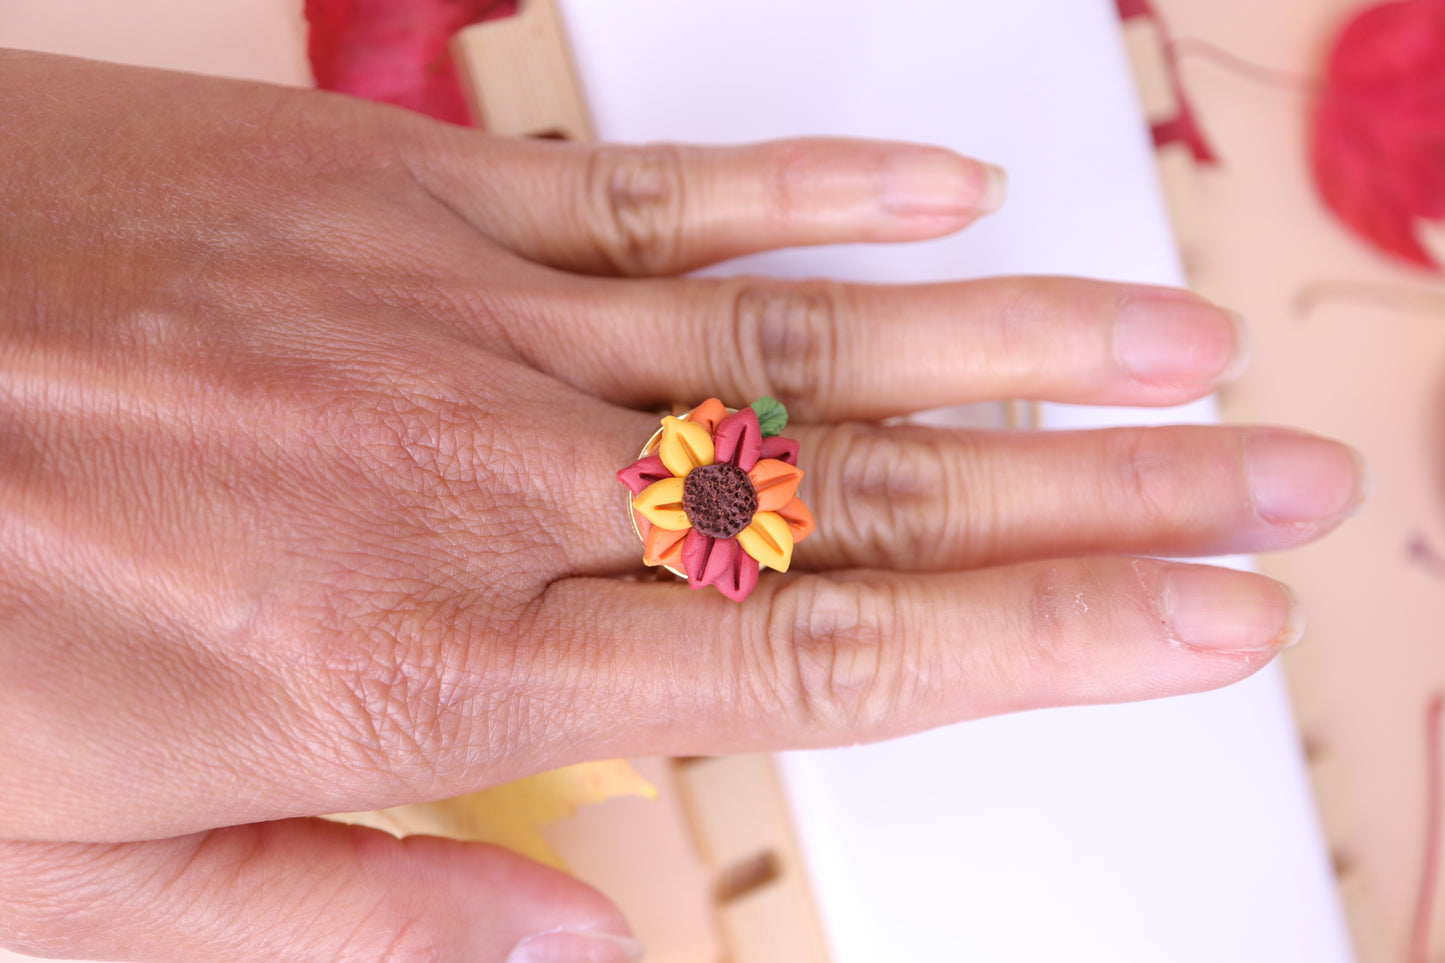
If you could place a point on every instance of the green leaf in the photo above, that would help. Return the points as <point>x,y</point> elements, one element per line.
<point>772,416</point>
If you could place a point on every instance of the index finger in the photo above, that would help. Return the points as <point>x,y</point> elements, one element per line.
<point>664,209</point>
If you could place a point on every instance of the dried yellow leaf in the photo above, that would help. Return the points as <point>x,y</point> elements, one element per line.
<point>513,814</point>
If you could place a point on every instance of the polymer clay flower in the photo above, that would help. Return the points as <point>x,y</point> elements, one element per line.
<point>715,496</point>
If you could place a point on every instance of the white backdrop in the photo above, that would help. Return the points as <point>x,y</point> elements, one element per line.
<point>1180,831</point>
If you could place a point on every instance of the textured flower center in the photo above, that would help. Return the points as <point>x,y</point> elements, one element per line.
<point>719,500</point>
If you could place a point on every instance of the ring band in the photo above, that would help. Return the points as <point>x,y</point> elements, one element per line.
<point>713,496</point>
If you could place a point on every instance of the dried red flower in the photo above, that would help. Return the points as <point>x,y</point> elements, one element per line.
<point>395,51</point>
<point>1378,143</point>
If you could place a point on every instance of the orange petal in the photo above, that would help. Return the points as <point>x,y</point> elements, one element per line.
<point>661,504</point>
<point>664,547</point>
<point>799,519</point>
<point>768,540</point>
<point>776,482</point>
<point>684,446</point>
<point>708,414</point>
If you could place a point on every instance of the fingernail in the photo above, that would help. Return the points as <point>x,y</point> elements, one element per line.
<point>1228,611</point>
<point>1301,478</point>
<point>577,946</point>
<point>1173,340</point>
<point>936,183</point>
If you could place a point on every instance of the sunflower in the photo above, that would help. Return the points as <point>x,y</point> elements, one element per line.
<point>715,496</point>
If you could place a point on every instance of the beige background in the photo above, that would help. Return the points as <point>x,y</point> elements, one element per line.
<point>257,39</point>
<point>1350,345</point>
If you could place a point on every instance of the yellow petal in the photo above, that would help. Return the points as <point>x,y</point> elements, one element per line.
<point>511,815</point>
<point>684,446</point>
<point>661,504</point>
<point>768,540</point>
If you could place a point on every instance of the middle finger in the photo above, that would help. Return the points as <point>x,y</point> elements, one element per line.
<point>832,352</point>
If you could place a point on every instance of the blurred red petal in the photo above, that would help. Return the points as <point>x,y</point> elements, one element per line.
<point>395,51</point>
<point>783,449</point>
<point>1378,143</point>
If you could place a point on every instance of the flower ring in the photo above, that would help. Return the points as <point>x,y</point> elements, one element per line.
<point>715,496</point>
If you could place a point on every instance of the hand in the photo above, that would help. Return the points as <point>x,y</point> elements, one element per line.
<point>310,419</point>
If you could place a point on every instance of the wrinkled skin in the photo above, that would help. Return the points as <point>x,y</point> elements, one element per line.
<point>310,412</point>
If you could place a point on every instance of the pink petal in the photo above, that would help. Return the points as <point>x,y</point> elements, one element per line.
<point>642,473</point>
<point>740,579</point>
<point>706,559</point>
<point>739,439</point>
<point>783,449</point>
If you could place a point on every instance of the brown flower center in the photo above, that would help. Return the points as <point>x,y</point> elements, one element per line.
<point>719,500</point>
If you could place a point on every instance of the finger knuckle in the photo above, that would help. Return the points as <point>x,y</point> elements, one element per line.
<point>1019,317</point>
<point>434,475</point>
<point>896,500</point>
<point>1051,615</point>
<point>317,142</point>
<point>836,657</point>
<point>784,340</point>
<point>420,445</point>
<point>395,696</point>
<point>1067,608</point>
<point>1144,480</point>
<point>794,169</point>
<point>388,711</point>
<point>639,204</point>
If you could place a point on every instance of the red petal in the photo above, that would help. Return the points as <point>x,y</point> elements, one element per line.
<point>642,473</point>
<point>395,51</point>
<point>740,579</point>
<point>1378,140</point>
<point>705,559</point>
<point>739,439</point>
<point>783,449</point>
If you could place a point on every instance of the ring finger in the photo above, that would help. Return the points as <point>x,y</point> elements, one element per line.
<point>912,498</point>
<point>919,499</point>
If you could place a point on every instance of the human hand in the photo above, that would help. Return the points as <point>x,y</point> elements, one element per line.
<point>311,416</point>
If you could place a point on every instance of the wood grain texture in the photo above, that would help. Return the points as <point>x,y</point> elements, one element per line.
<point>519,77</point>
